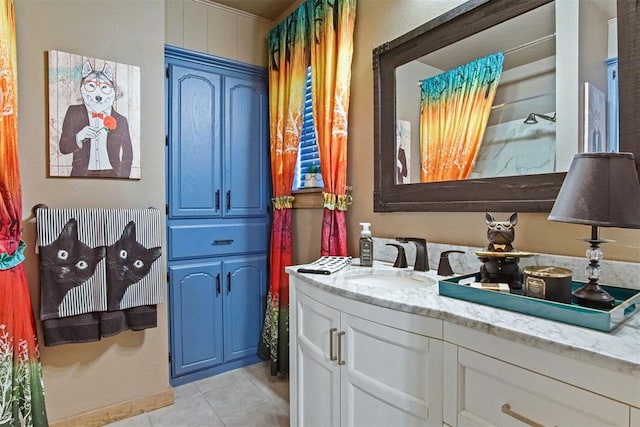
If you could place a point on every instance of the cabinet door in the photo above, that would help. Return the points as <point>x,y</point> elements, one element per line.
<point>635,417</point>
<point>317,376</point>
<point>245,147</point>
<point>245,285</point>
<point>194,143</point>
<point>391,376</point>
<point>196,317</point>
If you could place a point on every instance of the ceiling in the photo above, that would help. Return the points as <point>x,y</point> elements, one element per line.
<point>524,39</point>
<point>508,36</point>
<point>269,9</point>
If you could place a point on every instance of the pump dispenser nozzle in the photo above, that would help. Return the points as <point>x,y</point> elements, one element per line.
<point>365,229</point>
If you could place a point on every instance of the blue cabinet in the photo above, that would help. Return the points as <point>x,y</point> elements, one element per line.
<point>195,295</point>
<point>246,144</point>
<point>217,310</point>
<point>195,144</point>
<point>244,299</point>
<point>218,149</point>
<point>217,212</point>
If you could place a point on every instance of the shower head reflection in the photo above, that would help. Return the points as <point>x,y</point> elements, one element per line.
<point>531,119</point>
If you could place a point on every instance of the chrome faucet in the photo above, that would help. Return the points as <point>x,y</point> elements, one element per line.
<point>422,259</point>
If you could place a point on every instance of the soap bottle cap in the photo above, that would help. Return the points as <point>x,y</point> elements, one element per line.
<point>365,229</point>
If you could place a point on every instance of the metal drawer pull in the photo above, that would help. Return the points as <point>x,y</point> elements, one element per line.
<point>222,242</point>
<point>332,357</point>
<point>217,200</point>
<point>228,200</point>
<point>218,284</point>
<point>340,361</point>
<point>228,282</point>
<point>506,409</point>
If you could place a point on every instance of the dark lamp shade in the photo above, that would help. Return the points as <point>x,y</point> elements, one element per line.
<point>600,189</point>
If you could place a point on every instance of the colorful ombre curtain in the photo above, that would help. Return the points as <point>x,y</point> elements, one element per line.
<point>331,52</point>
<point>21,390</point>
<point>288,59</point>
<point>454,112</point>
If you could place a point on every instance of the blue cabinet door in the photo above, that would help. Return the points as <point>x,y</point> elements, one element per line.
<point>195,123</point>
<point>246,147</point>
<point>196,316</point>
<point>244,304</point>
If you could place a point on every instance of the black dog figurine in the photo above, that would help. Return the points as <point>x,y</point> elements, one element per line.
<point>499,268</point>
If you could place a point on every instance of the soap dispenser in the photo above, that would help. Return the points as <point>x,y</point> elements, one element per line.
<point>366,245</point>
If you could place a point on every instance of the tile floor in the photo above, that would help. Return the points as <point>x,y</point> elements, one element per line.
<point>248,396</point>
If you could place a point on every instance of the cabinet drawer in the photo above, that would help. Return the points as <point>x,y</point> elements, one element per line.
<point>204,240</point>
<point>491,392</point>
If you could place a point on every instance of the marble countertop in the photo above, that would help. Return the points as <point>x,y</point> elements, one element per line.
<point>617,350</point>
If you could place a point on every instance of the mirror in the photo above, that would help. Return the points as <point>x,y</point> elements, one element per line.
<point>519,190</point>
<point>524,81</point>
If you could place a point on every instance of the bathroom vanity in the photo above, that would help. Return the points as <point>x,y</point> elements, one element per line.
<point>378,346</point>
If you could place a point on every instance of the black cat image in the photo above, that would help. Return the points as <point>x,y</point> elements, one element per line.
<point>127,263</point>
<point>66,263</point>
<point>498,268</point>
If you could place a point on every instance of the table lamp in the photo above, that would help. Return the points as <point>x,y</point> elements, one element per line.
<point>600,190</point>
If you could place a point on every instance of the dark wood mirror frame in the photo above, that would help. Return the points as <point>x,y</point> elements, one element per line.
<point>532,193</point>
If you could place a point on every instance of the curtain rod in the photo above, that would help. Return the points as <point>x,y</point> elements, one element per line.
<point>529,44</point>
<point>520,47</point>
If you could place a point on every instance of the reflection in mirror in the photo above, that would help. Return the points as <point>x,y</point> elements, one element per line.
<point>582,46</point>
<point>518,137</point>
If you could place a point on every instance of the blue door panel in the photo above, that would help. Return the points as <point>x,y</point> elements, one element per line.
<point>245,147</point>
<point>244,303</point>
<point>195,189</point>
<point>196,317</point>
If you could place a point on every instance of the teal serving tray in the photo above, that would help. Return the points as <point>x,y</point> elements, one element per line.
<point>626,304</point>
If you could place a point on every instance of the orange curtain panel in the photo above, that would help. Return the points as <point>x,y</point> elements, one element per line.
<point>21,389</point>
<point>288,59</point>
<point>332,26</point>
<point>454,112</point>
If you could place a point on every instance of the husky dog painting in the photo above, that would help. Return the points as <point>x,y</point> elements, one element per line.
<point>99,137</point>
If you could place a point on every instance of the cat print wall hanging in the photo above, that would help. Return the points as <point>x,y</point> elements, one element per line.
<point>94,260</point>
<point>94,117</point>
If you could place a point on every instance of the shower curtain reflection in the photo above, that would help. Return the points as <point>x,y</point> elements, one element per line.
<point>454,109</point>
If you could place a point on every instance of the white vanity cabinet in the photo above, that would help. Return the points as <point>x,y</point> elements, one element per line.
<point>361,357</point>
<point>354,364</point>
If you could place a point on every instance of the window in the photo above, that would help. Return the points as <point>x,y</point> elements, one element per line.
<point>308,153</point>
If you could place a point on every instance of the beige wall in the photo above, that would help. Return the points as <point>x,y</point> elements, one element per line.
<point>378,21</point>
<point>80,378</point>
<point>217,30</point>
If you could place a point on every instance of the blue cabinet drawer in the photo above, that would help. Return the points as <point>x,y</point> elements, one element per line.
<point>205,240</point>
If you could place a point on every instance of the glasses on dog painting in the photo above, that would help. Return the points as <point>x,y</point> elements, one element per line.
<point>94,117</point>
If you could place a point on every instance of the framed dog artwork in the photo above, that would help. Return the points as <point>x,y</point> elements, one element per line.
<point>94,117</point>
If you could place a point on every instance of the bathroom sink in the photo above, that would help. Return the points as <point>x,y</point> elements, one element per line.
<point>390,280</point>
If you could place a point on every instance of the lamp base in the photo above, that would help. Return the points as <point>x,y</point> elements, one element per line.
<point>593,296</point>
